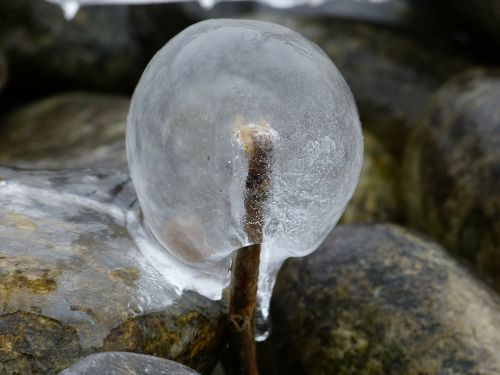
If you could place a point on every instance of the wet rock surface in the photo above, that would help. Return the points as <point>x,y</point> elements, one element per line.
<point>103,47</point>
<point>377,299</point>
<point>391,73</point>
<point>118,363</point>
<point>376,198</point>
<point>74,130</point>
<point>452,170</point>
<point>73,282</point>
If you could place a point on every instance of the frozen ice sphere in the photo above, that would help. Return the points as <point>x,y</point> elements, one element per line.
<point>187,113</point>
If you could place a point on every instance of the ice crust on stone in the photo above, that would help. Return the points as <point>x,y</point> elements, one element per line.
<point>71,7</point>
<point>189,169</point>
<point>66,218</point>
<point>116,363</point>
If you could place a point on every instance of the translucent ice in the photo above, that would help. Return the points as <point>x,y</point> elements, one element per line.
<point>71,7</point>
<point>116,363</point>
<point>77,235</point>
<point>187,115</point>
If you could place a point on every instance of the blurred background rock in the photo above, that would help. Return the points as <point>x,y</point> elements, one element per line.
<point>379,298</point>
<point>452,170</point>
<point>103,47</point>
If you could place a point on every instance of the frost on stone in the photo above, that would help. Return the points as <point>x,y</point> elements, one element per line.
<point>196,99</point>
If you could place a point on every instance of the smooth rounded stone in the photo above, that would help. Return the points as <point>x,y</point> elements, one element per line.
<point>376,198</point>
<point>120,363</point>
<point>391,73</point>
<point>378,299</point>
<point>452,170</point>
<point>73,281</point>
<point>74,130</point>
<point>103,47</point>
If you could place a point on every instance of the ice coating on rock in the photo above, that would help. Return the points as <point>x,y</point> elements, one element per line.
<point>120,363</point>
<point>81,229</point>
<point>71,7</point>
<point>185,156</point>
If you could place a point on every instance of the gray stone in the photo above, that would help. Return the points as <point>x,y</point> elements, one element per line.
<point>75,130</point>
<point>73,282</point>
<point>452,170</point>
<point>121,363</point>
<point>378,299</point>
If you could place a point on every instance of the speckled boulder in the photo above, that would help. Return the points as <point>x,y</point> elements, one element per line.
<point>376,198</point>
<point>121,363</point>
<point>391,73</point>
<point>379,300</point>
<point>73,281</point>
<point>452,170</point>
<point>74,130</point>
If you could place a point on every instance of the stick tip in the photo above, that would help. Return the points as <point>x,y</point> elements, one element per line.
<point>253,137</point>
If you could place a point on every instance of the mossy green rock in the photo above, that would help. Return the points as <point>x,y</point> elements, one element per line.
<point>74,130</point>
<point>73,281</point>
<point>376,198</point>
<point>377,299</point>
<point>391,73</point>
<point>452,170</point>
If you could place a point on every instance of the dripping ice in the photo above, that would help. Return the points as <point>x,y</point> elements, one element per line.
<point>71,7</point>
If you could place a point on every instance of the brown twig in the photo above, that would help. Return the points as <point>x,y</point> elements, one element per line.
<point>257,142</point>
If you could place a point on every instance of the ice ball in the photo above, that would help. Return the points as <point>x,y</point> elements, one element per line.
<point>188,113</point>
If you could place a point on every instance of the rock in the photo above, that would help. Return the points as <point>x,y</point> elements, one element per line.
<point>101,48</point>
<point>75,130</point>
<point>118,363</point>
<point>376,198</point>
<point>377,299</point>
<point>452,170</point>
<point>73,281</point>
<point>481,17</point>
<point>391,73</point>
<point>3,71</point>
